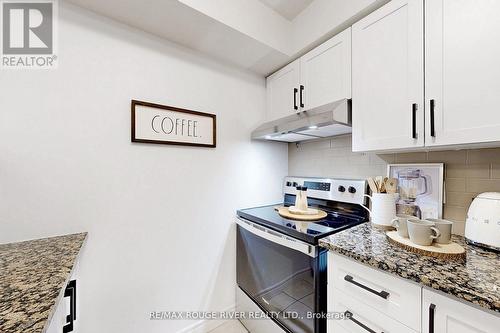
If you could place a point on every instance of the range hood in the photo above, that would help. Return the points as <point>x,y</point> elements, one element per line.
<point>328,120</point>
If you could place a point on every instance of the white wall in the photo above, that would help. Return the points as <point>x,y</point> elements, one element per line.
<point>161,234</point>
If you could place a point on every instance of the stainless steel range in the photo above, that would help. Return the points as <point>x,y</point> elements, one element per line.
<point>281,271</point>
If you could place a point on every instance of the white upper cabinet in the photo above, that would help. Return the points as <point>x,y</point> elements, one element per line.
<point>462,72</point>
<point>461,75</point>
<point>283,91</point>
<point>388,78</point>
<point>320,77</point>
<point>325,72</point>
<point>441,314</point>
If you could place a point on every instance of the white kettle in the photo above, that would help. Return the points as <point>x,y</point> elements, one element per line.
<point>482,226</point>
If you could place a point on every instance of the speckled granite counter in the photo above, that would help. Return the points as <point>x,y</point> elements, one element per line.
<point>33,276</point>
<point>476,280</point>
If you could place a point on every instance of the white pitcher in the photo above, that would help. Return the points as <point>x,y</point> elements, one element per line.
<point>383,208</point>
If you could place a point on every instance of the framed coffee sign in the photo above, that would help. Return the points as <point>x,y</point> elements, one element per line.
<point>168,125</point>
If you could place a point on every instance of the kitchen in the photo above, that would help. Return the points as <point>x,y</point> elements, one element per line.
<point>327,94</point>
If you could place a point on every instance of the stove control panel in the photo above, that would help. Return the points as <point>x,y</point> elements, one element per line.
<point>343,190</point>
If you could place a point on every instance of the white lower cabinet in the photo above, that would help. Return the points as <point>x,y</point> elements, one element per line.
<point>404,308</point>
<point>442,314</point>
<point>67,305</point>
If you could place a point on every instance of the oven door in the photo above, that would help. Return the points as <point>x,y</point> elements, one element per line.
<point>285,277</point>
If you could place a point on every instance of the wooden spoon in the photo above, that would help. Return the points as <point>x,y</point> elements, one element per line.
<point>382,185</point>
<point>379,180</point>
<point>391,185</point>
<point>372,184</point>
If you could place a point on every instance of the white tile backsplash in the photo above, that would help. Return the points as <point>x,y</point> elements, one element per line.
<point>468,172</point>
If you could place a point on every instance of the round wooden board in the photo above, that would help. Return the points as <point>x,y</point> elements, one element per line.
<point>283,211</point>
<point>441,251</point>
<point>383,227</point>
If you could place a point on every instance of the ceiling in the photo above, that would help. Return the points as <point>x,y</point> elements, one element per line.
<point>258,35</point>
<point>289,9</point>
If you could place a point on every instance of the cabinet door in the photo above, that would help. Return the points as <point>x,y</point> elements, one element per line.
<point>58,319</point>
<point>462,71</point>
<point>388,78</point>
<point>282,91</point>
<point>445,315</point>
<point>325,72</point>
<point>63,309</point>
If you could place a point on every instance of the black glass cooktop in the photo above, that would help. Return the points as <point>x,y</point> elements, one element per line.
<point>340,217</point>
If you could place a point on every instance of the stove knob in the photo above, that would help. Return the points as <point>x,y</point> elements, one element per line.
<point>351,189</point>
<point>295,184</point>
<point>341,189</point>
<point>288,183</point>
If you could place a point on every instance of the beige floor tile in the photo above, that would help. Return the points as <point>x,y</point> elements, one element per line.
<point>232,326</point>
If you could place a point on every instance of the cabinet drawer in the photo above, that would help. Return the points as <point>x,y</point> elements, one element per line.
<point>363,317</point>
<point>392,296</point>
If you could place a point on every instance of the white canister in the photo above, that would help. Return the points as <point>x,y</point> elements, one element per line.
<point>383,208</point>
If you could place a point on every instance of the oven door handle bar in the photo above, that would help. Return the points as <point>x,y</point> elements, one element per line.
<point>384,294</point>
<point>276,237</point>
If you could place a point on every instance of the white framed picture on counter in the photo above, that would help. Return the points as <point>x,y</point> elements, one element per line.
<point>420,189</point>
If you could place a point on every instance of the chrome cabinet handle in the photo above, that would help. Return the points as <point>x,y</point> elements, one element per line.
<point>349,316</point>
<point>384,294</point>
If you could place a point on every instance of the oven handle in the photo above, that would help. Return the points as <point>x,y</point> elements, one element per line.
<point>276,237</point>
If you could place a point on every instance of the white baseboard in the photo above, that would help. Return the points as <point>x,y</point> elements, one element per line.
<point>205,326</point>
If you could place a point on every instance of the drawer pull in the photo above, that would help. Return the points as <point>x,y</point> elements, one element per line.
<point>301,93</point>
<point>70,292</point>
<point>433,125</point>
<point>414,109</point>
<point>349,316</point>
<point>383,294</point>
<point>295,91</point>
<point>432,308</point>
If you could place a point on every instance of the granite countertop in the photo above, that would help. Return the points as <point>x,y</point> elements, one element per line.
<point>475,279</point>
<point>33,276</point>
